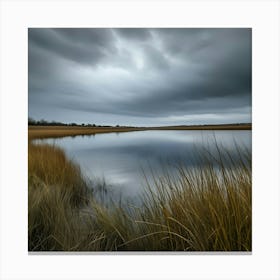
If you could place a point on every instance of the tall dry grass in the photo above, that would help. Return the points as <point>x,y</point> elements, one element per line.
<point>207,208</point>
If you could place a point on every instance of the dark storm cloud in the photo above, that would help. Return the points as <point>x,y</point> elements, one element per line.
<point>85,46</point>
<point>140,76</point>
<point>138,34</point>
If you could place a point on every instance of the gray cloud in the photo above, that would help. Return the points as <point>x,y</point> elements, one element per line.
<point>140,76</point>
<point>138,34</point>
<point>84,46</point>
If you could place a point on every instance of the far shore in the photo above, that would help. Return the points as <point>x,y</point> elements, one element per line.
<point>47,131</point>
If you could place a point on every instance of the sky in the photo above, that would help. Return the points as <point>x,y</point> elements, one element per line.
<point>140,76</point>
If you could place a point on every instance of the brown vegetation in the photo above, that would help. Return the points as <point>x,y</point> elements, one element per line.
<point>62,131</point>
<point>204,209</point>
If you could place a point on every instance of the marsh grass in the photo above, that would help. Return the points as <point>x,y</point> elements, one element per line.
<point>206,208</point>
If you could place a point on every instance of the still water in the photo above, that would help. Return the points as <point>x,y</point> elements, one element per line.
<point>121,159</point>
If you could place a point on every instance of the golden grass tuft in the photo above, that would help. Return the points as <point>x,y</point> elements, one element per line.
<point>207,208</point>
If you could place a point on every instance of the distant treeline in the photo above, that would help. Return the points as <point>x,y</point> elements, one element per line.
<point>221,124</point>
<point>43,122</point>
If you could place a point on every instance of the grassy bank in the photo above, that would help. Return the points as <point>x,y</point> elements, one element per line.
<point>203,209</point>
<point>35,131</point>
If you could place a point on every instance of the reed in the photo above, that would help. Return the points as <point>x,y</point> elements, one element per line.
<point>206,208</point>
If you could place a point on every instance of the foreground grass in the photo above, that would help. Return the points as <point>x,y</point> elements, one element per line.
<point>203,209</point>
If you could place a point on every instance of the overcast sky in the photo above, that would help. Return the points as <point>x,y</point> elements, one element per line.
<point>140,76</point>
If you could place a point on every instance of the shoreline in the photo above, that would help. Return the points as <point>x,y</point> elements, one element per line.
<point>37,132</point>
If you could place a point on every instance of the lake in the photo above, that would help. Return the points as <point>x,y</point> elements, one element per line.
<point>121,159</point>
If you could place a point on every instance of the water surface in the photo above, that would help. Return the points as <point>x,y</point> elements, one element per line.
<point>120,159</point>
